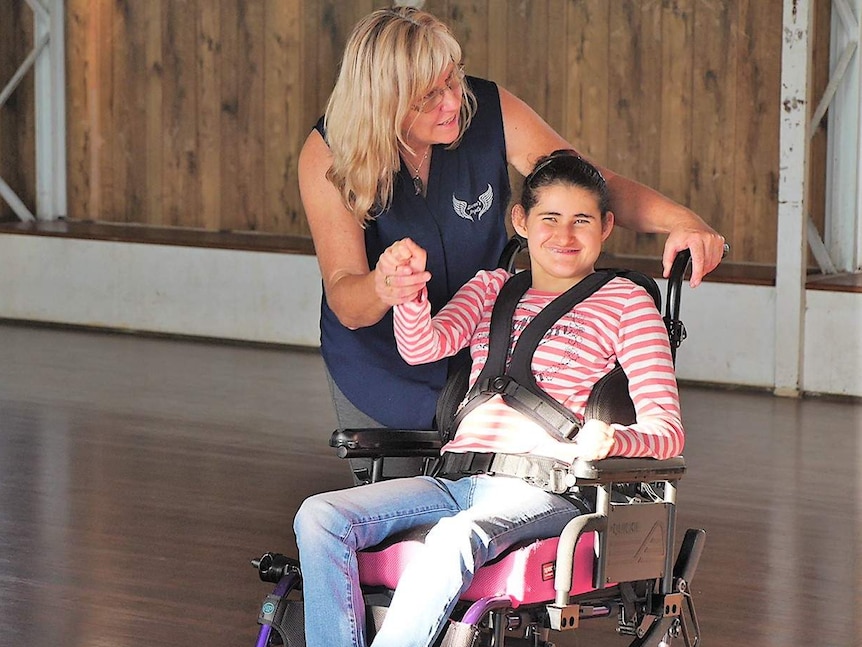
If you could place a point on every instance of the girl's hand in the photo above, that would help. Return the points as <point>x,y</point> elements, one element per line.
<point>400,273</point>
<point>594,440</point>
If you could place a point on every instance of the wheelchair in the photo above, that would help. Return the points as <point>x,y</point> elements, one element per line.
<point>620,559</point>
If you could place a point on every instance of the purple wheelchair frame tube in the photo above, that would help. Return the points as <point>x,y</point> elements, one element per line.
<point>482,606</point>
<point>284,586</point>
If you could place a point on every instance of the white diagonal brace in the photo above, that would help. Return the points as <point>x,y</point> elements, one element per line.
<point>841,234</point>
<point>818,249</point>
<point>22,70</point>
<point>841,74</point>
<point>15,202</point>
<point>47,59</point>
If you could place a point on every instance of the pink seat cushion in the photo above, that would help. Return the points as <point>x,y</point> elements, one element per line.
<point>525,574</point>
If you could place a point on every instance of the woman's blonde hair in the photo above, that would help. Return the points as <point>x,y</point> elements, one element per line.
<point>392,59</point>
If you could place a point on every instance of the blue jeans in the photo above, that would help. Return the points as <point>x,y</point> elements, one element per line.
<point>475,518</point>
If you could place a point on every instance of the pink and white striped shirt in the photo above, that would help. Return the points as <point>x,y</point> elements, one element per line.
<point>619,322</point>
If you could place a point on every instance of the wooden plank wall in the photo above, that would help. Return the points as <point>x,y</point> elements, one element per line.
<point>191,113</point>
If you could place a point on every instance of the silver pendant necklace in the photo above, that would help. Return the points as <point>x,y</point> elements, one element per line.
<point>418,185</point>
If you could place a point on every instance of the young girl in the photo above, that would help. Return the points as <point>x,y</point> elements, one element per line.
<point>564,215</point>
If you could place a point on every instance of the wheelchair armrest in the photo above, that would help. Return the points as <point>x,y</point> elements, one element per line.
<point>628,470</point>
<point>377,442</point>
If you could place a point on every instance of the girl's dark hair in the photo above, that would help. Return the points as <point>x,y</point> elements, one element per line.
<point>564,167</point>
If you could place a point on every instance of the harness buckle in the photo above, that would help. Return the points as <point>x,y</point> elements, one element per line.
<point>560,479</point>
<point>499,384</point>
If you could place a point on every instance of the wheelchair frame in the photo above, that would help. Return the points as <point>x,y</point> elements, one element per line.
<point>634,568</point>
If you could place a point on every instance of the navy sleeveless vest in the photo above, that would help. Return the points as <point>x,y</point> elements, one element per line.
<point>461,224</point>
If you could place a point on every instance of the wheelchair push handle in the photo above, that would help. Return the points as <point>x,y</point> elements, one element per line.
<point>677,276</point>
<point>675,328</point>
<point>509,256</point>
<point>674,282</point>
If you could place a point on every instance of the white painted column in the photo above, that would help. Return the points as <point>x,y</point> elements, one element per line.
<point>50,94</point>
<point>852,232</point>
<point>792,198</point>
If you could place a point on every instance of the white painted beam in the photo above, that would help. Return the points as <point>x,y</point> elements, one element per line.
<point>792,197</point>
<point>50,123</point>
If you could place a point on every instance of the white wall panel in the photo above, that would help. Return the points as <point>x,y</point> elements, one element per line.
<point>833,343</point>
<point>730,334</point>
<point>252,296</point>
<point>265,297</point>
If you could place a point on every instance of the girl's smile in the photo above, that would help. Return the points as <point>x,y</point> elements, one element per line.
<point>564,232</point>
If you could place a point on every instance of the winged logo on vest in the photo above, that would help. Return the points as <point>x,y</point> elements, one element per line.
<point>476,210</point>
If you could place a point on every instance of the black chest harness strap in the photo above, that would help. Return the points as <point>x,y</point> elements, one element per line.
<point>517,384</point>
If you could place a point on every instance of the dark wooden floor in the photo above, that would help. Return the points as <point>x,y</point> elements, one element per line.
<point>138,476</point>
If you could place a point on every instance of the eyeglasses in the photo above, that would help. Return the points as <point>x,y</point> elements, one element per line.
<point>433,99</point>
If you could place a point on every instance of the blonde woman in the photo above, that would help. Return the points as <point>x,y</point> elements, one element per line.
<point>410,147</point>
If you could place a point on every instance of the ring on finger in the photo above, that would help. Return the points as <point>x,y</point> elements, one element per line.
<point>388,281</point>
